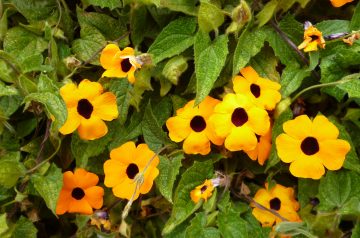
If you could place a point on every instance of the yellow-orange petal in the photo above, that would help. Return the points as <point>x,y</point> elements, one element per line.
<point>312,46</point>
<point>85,179</point>
<point>69,93</point>
<point>63,202</point>
<point>125,189</point>
<point>72,122</point>
<point>221,124</point>
<point>340,3</point>
<point>127,51</point>
<point>333,152</point>
<point>298,128</point>
<point>323,129</point>
<point>81,206</point>
<point>206,107</point>
<point>197,143</point>
<point>131,75</point>
<point>266,218</point>
<point>288,148</point>
<point>179,128</point>
<point>94,196</point>
<point>143,155</point>
<point>304,43</point>
<point>310,167</point>
<point>259,120</point>
<point>115,172</point>
<point>149,180</point>
<point>69,181</point>
<point>249,73</point>
<point>107,56</point>
<point>114,73</point>
<point>105,106</point>
<point>241,84</point>
<point>241,138</point>
<point>89,90</point>
<point>212,136</point>
<point>124,153</point>
<point>92,128</point>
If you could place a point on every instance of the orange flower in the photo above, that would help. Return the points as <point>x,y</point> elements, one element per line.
<point>87,107</point>
<point>126,163</point>
<point>263,92</point>
<point>119,63</point>
<point>280,199</point>
<point>262,150</point>
<point>339,3</point>
<point>311,145</point>
<point>79,193</point>
<point>312,39</point>
<point>191,125</point>
<point>203,191</point>
<point>238,121</point>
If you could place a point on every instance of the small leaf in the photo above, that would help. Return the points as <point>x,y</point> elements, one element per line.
<point>183,206</point>
<point>49,186</point>
<point>10,171</point>
<point>24,228</point>
<point>186,6</point>
<point>7,90</point>
<point>174,68</point>
<point>351,85</point>
<point>111,4</point>
<point>208,65</point>
<point>3,225</point>
<point>210,17</point>
<point>267,12</point>
<point>169,169</point>
<point>173,39</point>
<point>198,228</point>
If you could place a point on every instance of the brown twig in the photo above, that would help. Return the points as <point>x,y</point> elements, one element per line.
<point>42,145</point>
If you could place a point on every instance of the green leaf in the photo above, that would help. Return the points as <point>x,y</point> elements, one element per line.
<point>7,90</point>
<point>333,26</point>
<point>109,27</point>
<point>3,225</point>
<point>111,4</point>
<point>265,64</point>
<point>352,161</point>
<point>277,130</point>
<point>10,171</point>
<point>90,42</point>
<point>174,68</point>
<point>267,12</point>
<point>186,6</point>
<point>122,90</point>
<point>249,44</point>
<point>34,63</point>
<point>154,135</point>
<point>210,17</point>
<point>9,104</point>
<point>356,229</point>
<point>82,150</point>
<point>355,20</point>
<point>351,85</point>
<point>169,169</point>
<point>292,78</point>
<point>21,43</point>
<point>308,188</point>
<point>53,104</point>
<point>183,206</point>
<point>173,39</point>
<point>35,10</point>
<point>337,189</point>
<point>49,186</point>
<point>208,65</point>
<point>230,224</point>
<point>24,228</point>
<point>198,228</point>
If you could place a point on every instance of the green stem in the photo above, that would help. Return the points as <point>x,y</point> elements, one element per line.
<point>9,203</point>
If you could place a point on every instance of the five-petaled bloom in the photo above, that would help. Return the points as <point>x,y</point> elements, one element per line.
<point>126,164</point>
<point>263,92</point>
<point>203,191</point>
<point>119,63</point>
<point>79,193</point>
<point>191,125</point>
<point>87,107</point>
<point>340,3</point>
<point>311,145</point>
<point>262,150</point>
<point>280,199</point>
<point>238,120</point>
<point>312,38</point>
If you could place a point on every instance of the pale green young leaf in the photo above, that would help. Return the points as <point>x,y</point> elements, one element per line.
<point>267,12</point>
<point>210,17</point>
<point>208,65</point>
<point>3,225</point>
<point>6,90</point>
<point>174,68</point>
<point>198,228</point>
<point>49,186</point>
<point>173,39</point>
<point>169,169</point>
<point>249,44</point>
<point>183,205</point>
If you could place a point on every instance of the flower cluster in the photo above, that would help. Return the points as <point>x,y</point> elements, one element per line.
<point>240,121</point>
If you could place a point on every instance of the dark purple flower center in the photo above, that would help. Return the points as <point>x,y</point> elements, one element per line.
<point>78,193</point>
<point>125,65</point>
<point>314,37</point>
<point>255,90</point>
<point>275,204</point>
<point>203,189</point>
<point>132,170</point>
<point>85,108</point>
<point>198,124</point>
<point>310,146</point>
<point>239,117</point>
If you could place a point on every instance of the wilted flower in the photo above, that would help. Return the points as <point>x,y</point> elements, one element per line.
<point>312,39</point>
